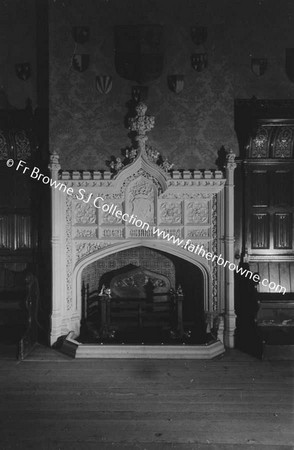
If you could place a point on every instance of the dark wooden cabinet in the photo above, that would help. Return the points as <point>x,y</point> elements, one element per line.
<point>265,180</point>
<point>264,207</point>
<point>268,208</point>
<point>19,225</point>
<point>18,198</point>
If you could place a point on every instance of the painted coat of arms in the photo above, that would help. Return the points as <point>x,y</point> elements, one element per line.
<point>139,52</point>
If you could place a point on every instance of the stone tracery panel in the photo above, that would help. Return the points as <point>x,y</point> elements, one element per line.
<point>170,212</point>
<point>197,213</point>
<point>107,218</point>
<point>84,213</point>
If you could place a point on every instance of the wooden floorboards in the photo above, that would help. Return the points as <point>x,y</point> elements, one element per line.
<point>235,402</point>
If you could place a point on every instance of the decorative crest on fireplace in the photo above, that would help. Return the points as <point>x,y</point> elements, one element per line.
<point>140,124</point>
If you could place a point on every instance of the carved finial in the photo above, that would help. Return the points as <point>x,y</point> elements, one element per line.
<point>141,124</point>
<point>231,160</point>
<point>54,161</point>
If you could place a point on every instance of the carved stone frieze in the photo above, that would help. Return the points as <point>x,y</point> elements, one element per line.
<point>86,233</point>
<point>170,212</point>
<point>138,233</point>
<point>187,195</point>
<point>86,248</point>
<point>112,196</point>
<point>113,233</point>
<point>177,232</point>
<point>198,233</point>
<point>90,183</point>
<point>201,182</point>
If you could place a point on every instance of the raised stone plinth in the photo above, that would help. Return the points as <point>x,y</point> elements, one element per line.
<point>109,351</point>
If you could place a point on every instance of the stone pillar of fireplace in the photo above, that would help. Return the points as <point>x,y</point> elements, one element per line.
<point>230,316</point>
<point>58,253</point>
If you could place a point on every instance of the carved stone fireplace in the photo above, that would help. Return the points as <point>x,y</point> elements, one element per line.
<point>190,205</point>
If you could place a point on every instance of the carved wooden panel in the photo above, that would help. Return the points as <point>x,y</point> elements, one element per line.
<point>272,141</point>
<point>283,273</point>
<point>22,148</point>
<point>15,232</point>
<point>259,147</point>
<point>259,189</point>
<point>15,143</point>
<point>6,232</point>
<point>283,230</point>
<point>22,232</point>
<point>281,188</point>
<point>260,231</point>
<point>283,142</point>
<point>269,207</point>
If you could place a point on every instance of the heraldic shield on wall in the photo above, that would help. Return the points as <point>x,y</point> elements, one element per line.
<point>139,52</point>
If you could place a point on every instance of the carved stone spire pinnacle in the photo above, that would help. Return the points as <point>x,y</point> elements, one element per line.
<point>141,124</point>
<point>231,160</point>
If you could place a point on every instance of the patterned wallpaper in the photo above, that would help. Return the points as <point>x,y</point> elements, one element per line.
<point>17,45</point>
<point>86,127</point>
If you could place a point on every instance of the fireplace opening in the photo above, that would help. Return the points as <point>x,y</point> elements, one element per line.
<point>143,296</point>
